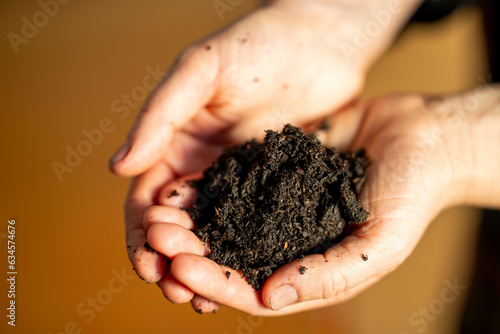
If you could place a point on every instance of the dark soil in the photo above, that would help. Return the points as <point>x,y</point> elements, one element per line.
<point>261,206</point>
<point>302,270</point>
<point>173,193</point>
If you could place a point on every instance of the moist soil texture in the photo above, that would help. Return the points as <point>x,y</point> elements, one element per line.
<point>261,206</point>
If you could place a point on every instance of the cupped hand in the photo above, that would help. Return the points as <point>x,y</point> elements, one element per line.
<point>414,173</point>
<point>259,73</point>
<point>270,68</point>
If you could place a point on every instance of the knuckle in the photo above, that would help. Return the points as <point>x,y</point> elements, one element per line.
<point>333,284</point>
<point>193,53</point>
<point>149,216</point>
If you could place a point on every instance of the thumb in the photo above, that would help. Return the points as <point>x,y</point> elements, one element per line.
<point>177,99</point>
<point>370,252</point>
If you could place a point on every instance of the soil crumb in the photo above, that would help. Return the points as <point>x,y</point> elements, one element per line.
<point>148,248</point>
<point>302,270</point>
<point>261,206</point>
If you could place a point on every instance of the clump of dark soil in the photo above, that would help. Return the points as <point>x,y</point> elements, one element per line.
<point>261,206</point>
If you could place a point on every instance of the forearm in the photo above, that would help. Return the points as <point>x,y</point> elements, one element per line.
<point>362,30</point>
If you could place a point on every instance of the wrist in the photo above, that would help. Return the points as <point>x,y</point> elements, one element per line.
<point>484,129</point>
<point>473,123</point>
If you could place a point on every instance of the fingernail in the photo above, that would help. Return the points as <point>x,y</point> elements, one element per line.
<point>283,296</point>
<point>121,152</point>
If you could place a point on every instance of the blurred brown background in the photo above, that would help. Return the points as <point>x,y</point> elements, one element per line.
<point>69,232</point>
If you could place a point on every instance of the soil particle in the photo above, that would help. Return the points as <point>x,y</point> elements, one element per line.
<point>148,248</point>
<point>173,193</point>
<point>302,270</point>
<point>192,183</point>
<point>261,206</point>
<point>324,125</point>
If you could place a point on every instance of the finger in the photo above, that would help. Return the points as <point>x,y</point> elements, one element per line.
<point>190,153</point>
<point>206,278</point>
<point>179,193</point>
<point>166,214</point>
<point>148,264</point>
<point>374,249</point>
<point>173,290</point>
<point>202,305</point>
<point>343,127</point>
<point>172,240</point>
<point>209,280</point>
<point>174,102</point>
<point>210,124</point>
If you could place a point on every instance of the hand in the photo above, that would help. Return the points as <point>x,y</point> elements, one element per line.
<point>280,64</point>
<point>421,162</point>
<point>259,73</point>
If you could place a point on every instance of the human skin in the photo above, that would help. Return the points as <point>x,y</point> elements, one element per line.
<point>280,64</point>
<point>426,154</point>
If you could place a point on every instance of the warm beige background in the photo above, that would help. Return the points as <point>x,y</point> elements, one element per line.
<point>70,233</point>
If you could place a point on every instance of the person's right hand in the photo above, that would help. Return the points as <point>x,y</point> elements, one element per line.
<point>426,154</point>
<point>280,64</point>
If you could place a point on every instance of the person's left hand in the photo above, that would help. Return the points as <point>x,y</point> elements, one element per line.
<point>412,176</point>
